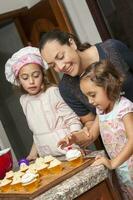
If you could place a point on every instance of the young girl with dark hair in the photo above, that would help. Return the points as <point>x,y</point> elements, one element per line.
<point>102,83</point>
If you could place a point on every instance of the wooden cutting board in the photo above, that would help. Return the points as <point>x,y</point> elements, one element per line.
<point>47,182</point>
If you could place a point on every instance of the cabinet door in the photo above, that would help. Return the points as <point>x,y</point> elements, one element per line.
<point>41,26</point>
<point>102,191</point>
<point>43,17</point>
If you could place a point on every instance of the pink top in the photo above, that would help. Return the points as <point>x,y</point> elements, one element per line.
<point>49,118</point>
<point>114,137</point>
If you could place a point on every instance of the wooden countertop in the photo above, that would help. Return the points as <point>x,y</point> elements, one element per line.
<point>77,184</point>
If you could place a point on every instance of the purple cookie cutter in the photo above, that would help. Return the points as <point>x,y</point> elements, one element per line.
<point>23,160</point>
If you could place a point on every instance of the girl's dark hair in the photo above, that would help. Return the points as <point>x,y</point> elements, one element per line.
<point>62,38</point>
<point>105,74</point>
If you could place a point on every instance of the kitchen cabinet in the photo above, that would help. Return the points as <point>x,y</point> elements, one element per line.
<point>102,191</point>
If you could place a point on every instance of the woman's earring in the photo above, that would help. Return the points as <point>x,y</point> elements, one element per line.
<point>72,43</point>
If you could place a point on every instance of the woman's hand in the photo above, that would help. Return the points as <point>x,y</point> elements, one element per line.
<point>100,160</point>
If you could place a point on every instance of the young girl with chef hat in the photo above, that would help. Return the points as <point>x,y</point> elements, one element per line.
<point>48,116</point>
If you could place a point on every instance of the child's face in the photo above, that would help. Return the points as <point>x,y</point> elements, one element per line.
<point>31,78</point>
<point>63,58</point>
<point>97,96</point>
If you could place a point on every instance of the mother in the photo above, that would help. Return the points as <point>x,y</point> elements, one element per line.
<point>63,52</point>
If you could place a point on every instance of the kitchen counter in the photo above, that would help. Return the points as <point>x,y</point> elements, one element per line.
<point>89,179</point>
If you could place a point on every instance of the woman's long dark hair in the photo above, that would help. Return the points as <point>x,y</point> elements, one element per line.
<point>62,38</point>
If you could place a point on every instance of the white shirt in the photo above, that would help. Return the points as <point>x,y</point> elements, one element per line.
<point>49,118</point>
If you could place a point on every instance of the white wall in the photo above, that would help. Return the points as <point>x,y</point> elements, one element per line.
<point>10,5</point>
<point>30,3</point>
<point>82,20</point>
<point>78,12</point>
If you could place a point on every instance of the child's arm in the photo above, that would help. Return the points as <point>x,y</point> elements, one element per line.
<point>69,117</point>
<point>33,153</point>
<point>79,137</point>
<point>94,130</point>
<point>126,152</point>
<point>84,137</point>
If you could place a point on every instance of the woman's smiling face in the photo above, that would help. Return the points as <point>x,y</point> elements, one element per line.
<point>62,58</point>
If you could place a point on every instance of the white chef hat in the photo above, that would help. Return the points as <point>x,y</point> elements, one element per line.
<point>22,57</point>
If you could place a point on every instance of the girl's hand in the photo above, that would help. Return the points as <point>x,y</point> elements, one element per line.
<point>89,124</point>
<point>99,160</point>
<point>86,131</point>
<point>33,153</point>
<point>66,141</point>
<point>82,137</point>
<point>31,157</point>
